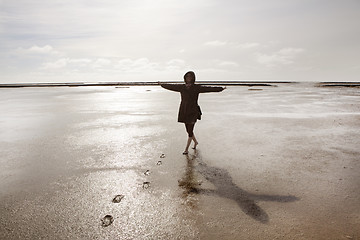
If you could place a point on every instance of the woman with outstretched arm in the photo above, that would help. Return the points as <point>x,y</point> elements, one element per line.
<point>189,110</point>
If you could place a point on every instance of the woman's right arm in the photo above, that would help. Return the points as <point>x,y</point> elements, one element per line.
<point>172,87</point>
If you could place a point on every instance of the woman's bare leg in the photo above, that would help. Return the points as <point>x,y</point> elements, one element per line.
<point>188,145</point>
<point>191,137</point>
<point>195,141</point>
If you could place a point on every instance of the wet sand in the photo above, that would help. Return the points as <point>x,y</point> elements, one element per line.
<point>272,163</point>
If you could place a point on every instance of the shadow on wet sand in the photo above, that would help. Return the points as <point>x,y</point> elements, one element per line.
<point>226,188</point>
<point>189,183</point>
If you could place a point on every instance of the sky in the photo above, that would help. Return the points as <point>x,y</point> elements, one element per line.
<point>159,40</point>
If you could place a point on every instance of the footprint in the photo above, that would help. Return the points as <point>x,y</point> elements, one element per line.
<point>118,198</point>
<point>107,220</point>
<point>162,156</point>
<point>147,173</point>
<point>146,185</point>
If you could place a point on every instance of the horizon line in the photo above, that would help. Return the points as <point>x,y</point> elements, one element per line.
<point>155,83</point>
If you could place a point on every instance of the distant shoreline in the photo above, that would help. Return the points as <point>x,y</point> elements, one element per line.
<point>216,83</point>
<point>86,84</point>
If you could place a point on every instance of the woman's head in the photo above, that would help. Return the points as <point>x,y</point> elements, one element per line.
<point>189,78</point>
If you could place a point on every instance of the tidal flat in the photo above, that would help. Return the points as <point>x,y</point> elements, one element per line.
<point>274,162</point>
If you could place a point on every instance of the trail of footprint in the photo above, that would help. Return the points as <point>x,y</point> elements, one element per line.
<point>146,184</point>
<point>108,219</point>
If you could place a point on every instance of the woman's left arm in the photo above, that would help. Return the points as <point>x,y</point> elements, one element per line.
<point>204,89</point>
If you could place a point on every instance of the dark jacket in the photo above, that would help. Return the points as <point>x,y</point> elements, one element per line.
<point>189,110</point>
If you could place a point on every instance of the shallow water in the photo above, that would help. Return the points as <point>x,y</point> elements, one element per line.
<point>268,164</point>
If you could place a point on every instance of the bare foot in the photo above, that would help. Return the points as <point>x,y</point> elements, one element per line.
<point>185,152</point>
<point>195,144</point>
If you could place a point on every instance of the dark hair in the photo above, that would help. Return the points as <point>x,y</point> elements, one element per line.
<point>191,75</point>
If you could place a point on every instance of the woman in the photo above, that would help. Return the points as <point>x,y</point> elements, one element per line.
<point>189,110</point>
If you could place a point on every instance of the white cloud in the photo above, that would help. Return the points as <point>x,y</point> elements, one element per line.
<point>81,61</point>
<point>67,62</point>
<point>102,62</point>
<point>284,56</point>
<point>137,65</point>
<point>249,45</point>
<point>215,43</point>
<point>36,50</point>
<point>228,64</point>
<point>61,63</point>
<point>176,62</point>
<point>290,51</point>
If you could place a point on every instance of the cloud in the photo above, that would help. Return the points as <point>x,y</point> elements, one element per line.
<point>249,45</point>
<point>115,65</point>
<point>215,43</point>
<point>176,62</point>
<point>137,65</point>
<point>61,63</point>
<point>80,61</point>
<point>176,65</point>
<point>228,64</point>
<point>36,50</point>
<point>291,51</point>
<point>102,62</point>
<point>67,62</point>
<point>285,56</point>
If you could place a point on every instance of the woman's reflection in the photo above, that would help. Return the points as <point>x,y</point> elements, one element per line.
<point>189,182</point>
